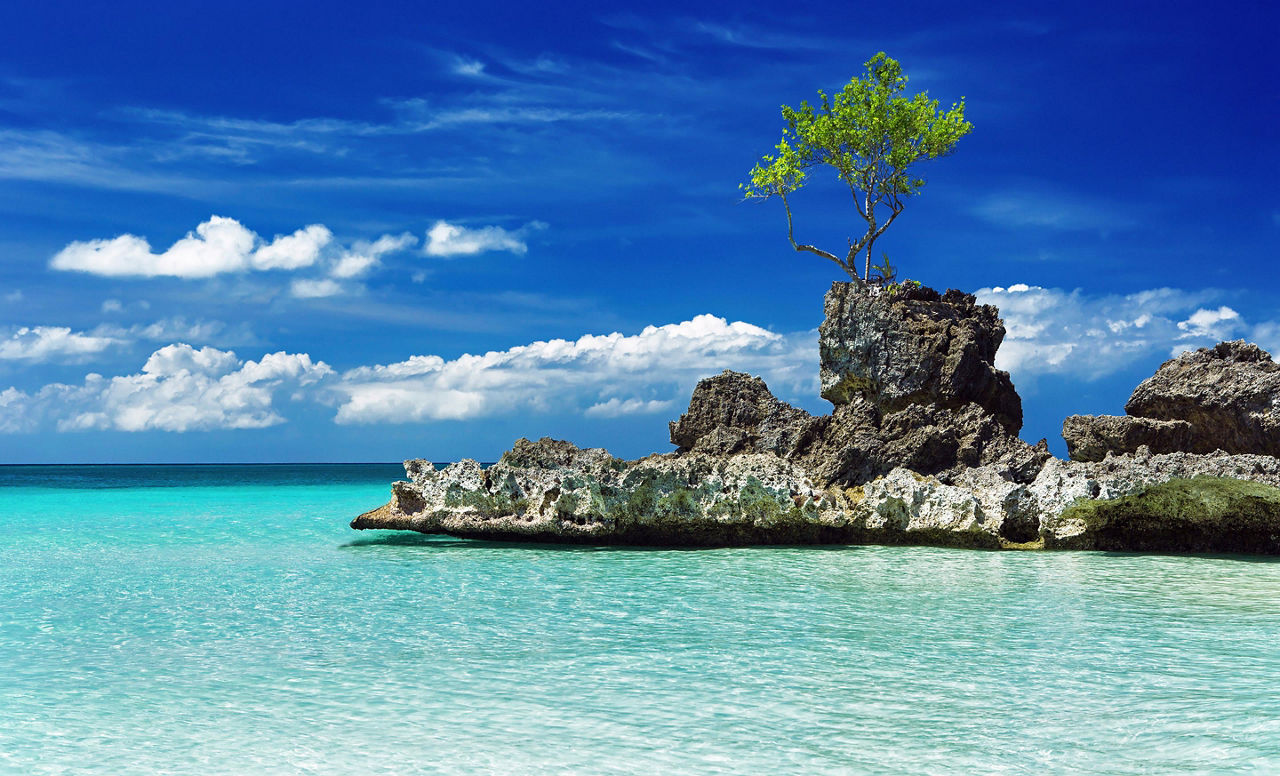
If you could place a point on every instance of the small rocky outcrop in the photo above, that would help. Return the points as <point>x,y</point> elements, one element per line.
<point>551,490</point>
<point>735,413</point>
<point>914,347</point>
<point>1223,398</point>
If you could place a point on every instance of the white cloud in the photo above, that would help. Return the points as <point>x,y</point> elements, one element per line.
<point>47,343</point>
<point>216,246</point>
<point>179,389</point>
<point>1212,324</point>
<point>314,289</point>
<point>300,249</point>
<point>364,256</point>
<point>1052,331</point>
<point>598,375</point>
<point>223,245</point>
<point>112,306</point>
<point>616,408</point>
<point>447,239</point>
<point>13,296</point>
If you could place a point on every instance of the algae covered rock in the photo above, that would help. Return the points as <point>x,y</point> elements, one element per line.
<point>1201,514</point>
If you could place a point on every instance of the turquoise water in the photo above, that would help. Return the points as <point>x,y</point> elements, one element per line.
<point>224,620</point>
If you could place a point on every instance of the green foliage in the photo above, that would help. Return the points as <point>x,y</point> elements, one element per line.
<point>1200,514</point>
<point>886,273</point>
<point>893,289</point>
<point>872,136</point>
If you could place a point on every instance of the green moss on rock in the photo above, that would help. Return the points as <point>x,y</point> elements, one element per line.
<point>1201,514</point>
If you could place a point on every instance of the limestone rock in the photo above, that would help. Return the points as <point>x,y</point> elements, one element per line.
<point>551,490</point>
<point>736,413</point>
<point>914,347</point>
<point>1230,394</point>
<point>852,445</point>
<point>1091,437</point>
<point>921,510</point>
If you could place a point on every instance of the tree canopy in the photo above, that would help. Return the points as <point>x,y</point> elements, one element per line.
<point>873,137</point>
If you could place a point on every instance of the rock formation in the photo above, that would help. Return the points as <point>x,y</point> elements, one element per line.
<point>914,347</point>
<point>914,384</point>
<point>1223,398</point>
<point>921,448</point>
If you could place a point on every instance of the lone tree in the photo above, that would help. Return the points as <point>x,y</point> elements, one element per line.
<point>873,137</point>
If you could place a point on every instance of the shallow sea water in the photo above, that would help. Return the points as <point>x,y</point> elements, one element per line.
<point>224,620</point>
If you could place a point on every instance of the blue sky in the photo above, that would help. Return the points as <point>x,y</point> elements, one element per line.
<point>316,231</point>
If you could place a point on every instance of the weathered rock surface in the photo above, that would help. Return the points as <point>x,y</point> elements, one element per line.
<point>1091,437</point>
<point>1222,398</point>
<point>553,491</point>
<point>734,413</point>
<point>914,347</point>
<point>550,490</point>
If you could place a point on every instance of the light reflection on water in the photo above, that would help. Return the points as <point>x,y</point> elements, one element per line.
<point>235,629</point>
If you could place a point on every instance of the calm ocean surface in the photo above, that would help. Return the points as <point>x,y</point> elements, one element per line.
<point>224,620</point>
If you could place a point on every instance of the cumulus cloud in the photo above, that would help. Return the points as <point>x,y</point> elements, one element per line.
<point>599,375</point>
<point>178,389</point>
<point>292,251</point>
<point>50,343</point>
<point>446,240</point>
<point>1052,331</point>
<point>217,245</point>
<point>224,245</point>
<point>1215,325</point>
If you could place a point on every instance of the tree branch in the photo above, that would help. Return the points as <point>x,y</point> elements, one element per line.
<point>810,248</point>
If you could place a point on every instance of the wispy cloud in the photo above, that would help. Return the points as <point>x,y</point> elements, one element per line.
<point>1063,212</point>
<point>51,343</point>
